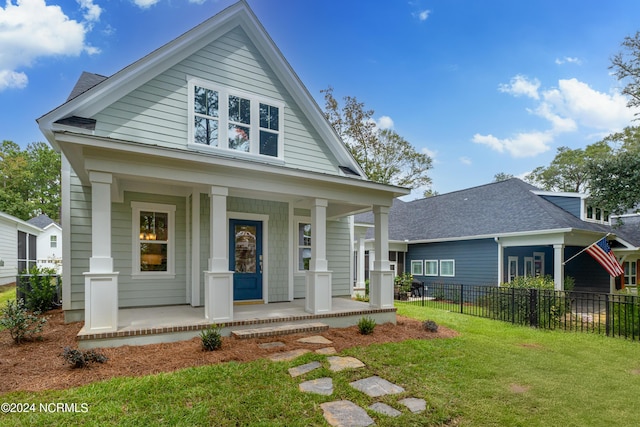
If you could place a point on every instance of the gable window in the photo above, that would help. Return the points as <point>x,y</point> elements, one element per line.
<point>416,268</point>
<point>54,241</point>
<point>431,267</point>
<point>596,214</point>
<point>304,246</point>
<point>153,239</point>
<point>235,121</point>
<point>447,267</point>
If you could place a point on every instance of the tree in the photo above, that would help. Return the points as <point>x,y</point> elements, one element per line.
<point>501,176</point>
<point>29,180</point>
<point>385,156</point>
<point>568,171</point>
<point>626,67</point>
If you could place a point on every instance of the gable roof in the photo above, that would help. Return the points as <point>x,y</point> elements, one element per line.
<point>20,224</point>
<point>43,221</point>
<point>93,92</point>
<point>503,207</point>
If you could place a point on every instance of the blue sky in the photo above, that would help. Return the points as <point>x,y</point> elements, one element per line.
<point>482,86</point>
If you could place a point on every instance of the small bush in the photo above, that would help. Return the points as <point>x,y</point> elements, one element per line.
<point>42,289</point>
<point>430,326</point>
<point>366,325</point>
<point>21,324</point>
<point>211,338</point>
<point>81,359</point>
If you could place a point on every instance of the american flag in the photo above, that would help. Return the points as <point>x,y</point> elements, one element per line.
<point>601,251</point>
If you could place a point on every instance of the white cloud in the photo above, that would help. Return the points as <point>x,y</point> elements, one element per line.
<point>569,60</point>
<point>423,15</point>
<point>465,160</point>
<point>429,153</point>
<point>528,144</point>
<point>31,29</point>
<point>92,11</point>
<point>521,85</point>
<point>384,122</point>
<point>145,4</point>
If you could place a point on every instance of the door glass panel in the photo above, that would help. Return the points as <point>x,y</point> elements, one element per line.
<point>245,244</point>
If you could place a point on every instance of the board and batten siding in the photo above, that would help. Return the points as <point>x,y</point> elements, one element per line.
<point>156,113</point>
<point>476,261</point>
<point>138,292</point>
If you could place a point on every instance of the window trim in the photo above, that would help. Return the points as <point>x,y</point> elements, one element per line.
<point>511,259</point>
<point>426,270</point>
<point>453,267</point>
<point>170,210</point>
<point>53,241</point>
<point>417,263</point>
<point>223,121</point>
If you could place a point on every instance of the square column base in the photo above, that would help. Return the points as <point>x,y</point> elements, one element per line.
<point>100,302</point>
<point>318,292</point>
<point>381,289</point>
<point>218,296</point>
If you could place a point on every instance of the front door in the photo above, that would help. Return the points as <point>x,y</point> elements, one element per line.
<point>245,258</point>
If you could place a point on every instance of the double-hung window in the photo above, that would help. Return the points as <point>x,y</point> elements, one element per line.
<point>447,268</point>
<point>234,122</point>
<point>304,246</point>
<point>153,239</point>
<point>431,267</point>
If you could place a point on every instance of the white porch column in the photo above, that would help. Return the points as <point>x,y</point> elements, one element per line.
<point>381,277</point>
<point>318,279</point>
<point>360,287</point>
<point>100,282</point>
<point>218,280</point>
<point>558,267</point>
<point>500,262</point>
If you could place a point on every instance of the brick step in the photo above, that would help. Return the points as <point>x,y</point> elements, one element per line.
<point>269,331</point>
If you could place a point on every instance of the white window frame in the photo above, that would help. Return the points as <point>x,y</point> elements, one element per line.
<point>417,268</point>
<point>53,241</point>
<point>629,274</point>
<point>431,262</point>
<point>223,121</point>
<point>170,210</point>
<point>298,245</point>
<point>453,267</point>
<point>529,270</point>
<point>512,274</point>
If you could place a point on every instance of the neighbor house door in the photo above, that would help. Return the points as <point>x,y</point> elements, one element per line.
<point>245,258</point>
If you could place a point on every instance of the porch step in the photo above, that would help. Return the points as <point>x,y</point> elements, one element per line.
<point>270,331</point>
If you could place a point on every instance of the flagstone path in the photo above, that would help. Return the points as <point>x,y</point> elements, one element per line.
<point>344,412</point>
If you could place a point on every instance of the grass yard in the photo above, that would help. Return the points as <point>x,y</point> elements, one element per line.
<point>7,293</point>
<point>493,374</point>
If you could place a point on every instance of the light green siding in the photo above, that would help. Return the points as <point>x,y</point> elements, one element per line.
<point>157,112</point>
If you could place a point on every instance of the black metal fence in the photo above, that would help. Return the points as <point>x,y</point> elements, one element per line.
<point>616,315</point>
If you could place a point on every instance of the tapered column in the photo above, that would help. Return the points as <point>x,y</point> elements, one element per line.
<point>218,286</point>
<point>318,279</point>
<point>381,277</point>
<point>100,282</point>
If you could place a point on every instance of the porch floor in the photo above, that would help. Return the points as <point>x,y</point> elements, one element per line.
<point>147,325</point>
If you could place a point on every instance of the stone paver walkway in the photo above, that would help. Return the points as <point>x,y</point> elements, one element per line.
<point>344,412</point>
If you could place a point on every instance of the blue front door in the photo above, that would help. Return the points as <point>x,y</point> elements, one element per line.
<point>245,258</point>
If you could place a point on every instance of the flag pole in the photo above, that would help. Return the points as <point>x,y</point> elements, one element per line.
<point>607,235</point>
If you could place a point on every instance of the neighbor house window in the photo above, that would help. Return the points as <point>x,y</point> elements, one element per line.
<point>27,244</point>
<point>235,121</point>
<point>304,246</point>
<point>431,267</point>
<point>54,241</point>
<point>153,237</point>
<point>416,268</point>
<point>447,268</point>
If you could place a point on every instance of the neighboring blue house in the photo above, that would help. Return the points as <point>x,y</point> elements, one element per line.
<point>490,234</point>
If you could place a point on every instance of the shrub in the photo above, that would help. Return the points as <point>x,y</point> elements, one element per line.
<point>430,326</point>
<point>366,325</point>
<point>211,338</point>
<point>403,281</point>
<point>42,289</point>
<point>19,322</point>
<point>81,359</point>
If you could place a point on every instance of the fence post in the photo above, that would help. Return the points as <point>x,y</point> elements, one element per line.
<point>607,314</point>
<point>461,299</point>
<point>533,307</point>
<point>513,305</point>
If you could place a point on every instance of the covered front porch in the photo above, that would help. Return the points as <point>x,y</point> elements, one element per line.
<point>150,325</point>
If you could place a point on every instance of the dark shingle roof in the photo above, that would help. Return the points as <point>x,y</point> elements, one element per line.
<point>84,83</point>
<point>502,207</point>
<point>42,221</point>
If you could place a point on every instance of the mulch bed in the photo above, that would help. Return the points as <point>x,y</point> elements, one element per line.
<point>37,365</point>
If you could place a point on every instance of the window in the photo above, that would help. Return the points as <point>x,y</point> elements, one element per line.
<point>447,268</point>
<point>597,215</point>
<point>630,275</point>
<point>304,246</point>
<point>431,267</point>
<point>27,244</point>
<point>528,266</point>
<point>54,241</point>
<point>416,268</point>
<point>512,265</point>
<point>231,120</point>
<point>153,239</point>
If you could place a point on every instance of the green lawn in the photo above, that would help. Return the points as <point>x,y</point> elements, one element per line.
<point>493,374</point>
<point>7,293</point>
